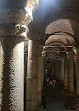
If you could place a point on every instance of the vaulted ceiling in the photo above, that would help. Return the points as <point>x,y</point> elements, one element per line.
<point>56,23</point>
<point>50,11</point>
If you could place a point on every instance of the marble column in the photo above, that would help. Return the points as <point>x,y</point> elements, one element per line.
<point>12,60</point>
<point>12,35</point>
<point>71,72</point>
<point>57,69</point>
<point>76,61</point>
<point>65,73</point>
<point>40,75</point>
<point>77,74</point>
<point>62,71</point>
<point>32,77</point>
<point>12,74</point>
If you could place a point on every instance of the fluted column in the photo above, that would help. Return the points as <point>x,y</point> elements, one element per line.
<point>65,73</point>
<point>32,77</point>
<point>40,76</point>
<point>71,72</point>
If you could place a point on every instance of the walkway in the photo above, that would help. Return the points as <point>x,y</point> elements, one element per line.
<point>54,101</point>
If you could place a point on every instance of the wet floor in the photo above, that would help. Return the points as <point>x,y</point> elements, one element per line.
<point>54,100</point>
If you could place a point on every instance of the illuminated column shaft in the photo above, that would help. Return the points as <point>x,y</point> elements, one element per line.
<point>12,74</point>
<point>71,73</point>
<point>40,76</point>
<point>32,77</point>
<point>65,74</point>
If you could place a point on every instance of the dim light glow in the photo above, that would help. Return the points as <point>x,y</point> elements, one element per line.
<point>74,49</point>
<point>29,11</point>
<point>48,3</point>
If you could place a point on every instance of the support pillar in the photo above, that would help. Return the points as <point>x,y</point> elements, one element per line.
<point>76,60</point>
<point>40,76</point>
<point>65,73</point>
<point>71,73</point>
<point>62,71</point>
<point>12,74</point>
<point>12,35</point>
<point>32,77</point>
<point>57,69</point>
<point>77,74</point>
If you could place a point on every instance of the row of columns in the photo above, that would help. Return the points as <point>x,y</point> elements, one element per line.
<point>69,76</point>
<point>12,75</point>
<point>35,75</point>
<point>14,19</point>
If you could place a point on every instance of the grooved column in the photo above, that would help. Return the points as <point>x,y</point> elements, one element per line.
<point>32,77</point>
<point>65,73</point>
<point>12,74</point>
<point>40,76</point>
<point>71,72</point>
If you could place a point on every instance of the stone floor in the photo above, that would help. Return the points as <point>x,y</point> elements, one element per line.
<point>54,101</point>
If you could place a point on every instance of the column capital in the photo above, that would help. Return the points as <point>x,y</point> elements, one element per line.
<point>14,22</point>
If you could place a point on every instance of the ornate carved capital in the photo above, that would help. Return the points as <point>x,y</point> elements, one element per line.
<point>14,22</point>
<point>13,30</point>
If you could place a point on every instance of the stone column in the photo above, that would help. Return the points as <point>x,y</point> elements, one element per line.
<point>12,35</point>
<point>76,60</point>
<point>32,77</point>
<point>62,71</point>
<point>65,73</point>
<point>71,73</point>
<point>57,69</point>
<point>77,73</point>
<point>12,74</point>
<point>40,75</point>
